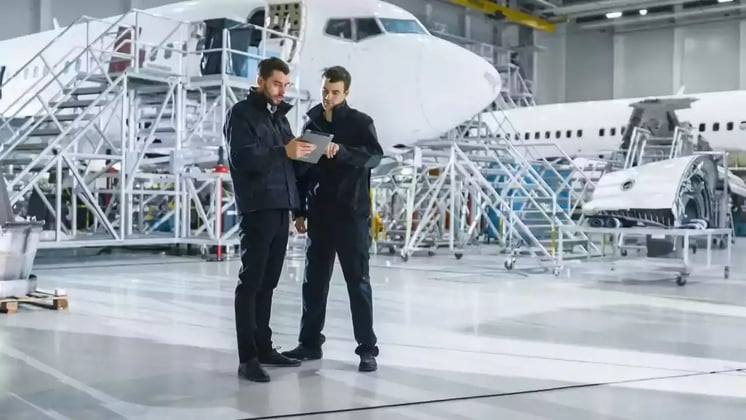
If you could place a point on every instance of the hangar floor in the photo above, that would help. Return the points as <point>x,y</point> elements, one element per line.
<point>153,338</point>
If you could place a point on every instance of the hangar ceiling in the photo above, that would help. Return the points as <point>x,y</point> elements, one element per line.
<point>627,14</point>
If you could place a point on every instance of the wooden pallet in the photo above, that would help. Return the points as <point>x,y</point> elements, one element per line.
<point>41,299</point>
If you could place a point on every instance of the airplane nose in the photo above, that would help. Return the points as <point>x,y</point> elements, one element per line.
<point>455,84</point>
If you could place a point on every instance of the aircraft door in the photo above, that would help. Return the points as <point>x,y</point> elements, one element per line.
<point>288,17</point>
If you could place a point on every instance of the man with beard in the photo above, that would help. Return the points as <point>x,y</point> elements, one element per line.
<point>260,145</point>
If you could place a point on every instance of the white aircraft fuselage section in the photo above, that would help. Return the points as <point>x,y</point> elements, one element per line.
<point>595,128</point>
<point>414,85</point>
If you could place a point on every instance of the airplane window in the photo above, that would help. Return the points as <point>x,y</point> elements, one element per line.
<point>167,53</point>
<point>702,127</point>
<point>557,134</point>
<point>568,134</point>
<point>547,135</point>
<point>729,126</point>
<point>341,28</point>
<point>402,26</point>
<point>537,135</point>
<point>742,126</point>
<point>527,136</point>
<point>517,136</point>
<point>612,132</point>
<point>715,126</point>
<point>580,133</point>
<point>366,28</point>
<point>623,129</point>
<point>601,132</point>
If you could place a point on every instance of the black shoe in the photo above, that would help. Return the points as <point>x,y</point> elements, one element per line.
<point>304,353</point>
<point>253,371</point>
<point>368,363</point>
<point>278,360</point>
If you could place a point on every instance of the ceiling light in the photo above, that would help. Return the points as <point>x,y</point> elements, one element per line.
<point>613,15</point>
<point>724,1</point>
<point>643,12</point>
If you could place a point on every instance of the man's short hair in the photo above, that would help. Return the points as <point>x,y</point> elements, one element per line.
<point>270,65</point>
<point>338,74</point>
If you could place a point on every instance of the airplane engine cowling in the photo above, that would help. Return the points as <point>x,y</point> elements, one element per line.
<point>672,193</point>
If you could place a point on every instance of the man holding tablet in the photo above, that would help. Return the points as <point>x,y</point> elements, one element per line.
<point>334,195</point>
<point>260,141</point>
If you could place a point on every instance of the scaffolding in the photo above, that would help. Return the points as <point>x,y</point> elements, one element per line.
<point>477,185</point>
<point>115,146</point>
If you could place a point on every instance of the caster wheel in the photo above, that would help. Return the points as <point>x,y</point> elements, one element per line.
<point>680,280</point>
<point>430,253</point>
<point>726,272</point>
<point>623,252</point>
<point>459,255</point>
<point>404,257</point>
<point>556,272</point>
<point>509,264</point>
<point>392,250</point>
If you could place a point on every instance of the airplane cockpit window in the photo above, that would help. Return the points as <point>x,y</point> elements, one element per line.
<point>402,26</point>
<point>366,28</point>
<point>341,28</point>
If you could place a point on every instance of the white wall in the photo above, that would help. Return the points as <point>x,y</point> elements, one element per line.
<point>587,65</point>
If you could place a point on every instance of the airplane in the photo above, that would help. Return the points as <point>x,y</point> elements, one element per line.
<point>593,129</point>
<point>415,85</point>
<point>590,132</point>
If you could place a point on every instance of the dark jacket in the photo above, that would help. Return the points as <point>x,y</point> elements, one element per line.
<point>263,175</point>
<point>340,185</point>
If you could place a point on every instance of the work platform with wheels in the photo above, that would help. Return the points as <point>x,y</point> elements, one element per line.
<point>677,260</point>
<point>111,147</point>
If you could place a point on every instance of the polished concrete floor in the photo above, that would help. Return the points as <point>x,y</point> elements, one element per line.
<point>150,337</point>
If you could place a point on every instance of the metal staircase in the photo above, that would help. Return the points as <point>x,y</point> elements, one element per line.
<point>110,147</point>
<point>476,185</point>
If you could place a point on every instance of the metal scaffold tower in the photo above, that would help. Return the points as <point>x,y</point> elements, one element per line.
<point>119,141</point>
<point>477,185</point>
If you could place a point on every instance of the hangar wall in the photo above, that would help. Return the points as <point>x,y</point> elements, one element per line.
<point>587,65</point>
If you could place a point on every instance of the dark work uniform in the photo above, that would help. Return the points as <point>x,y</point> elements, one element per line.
<point>266,192</point>
<point>335,198</point>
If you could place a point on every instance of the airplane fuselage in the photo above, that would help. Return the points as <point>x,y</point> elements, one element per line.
<point>595,128</point>
<point>414,85</point>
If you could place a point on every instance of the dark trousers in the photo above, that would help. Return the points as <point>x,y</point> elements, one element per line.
<point>264,238</point>
<point>348,238</point>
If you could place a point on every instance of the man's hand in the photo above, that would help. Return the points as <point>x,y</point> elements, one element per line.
<point>298,148</point>
<point>331,150</point>
<point>300,224</point>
